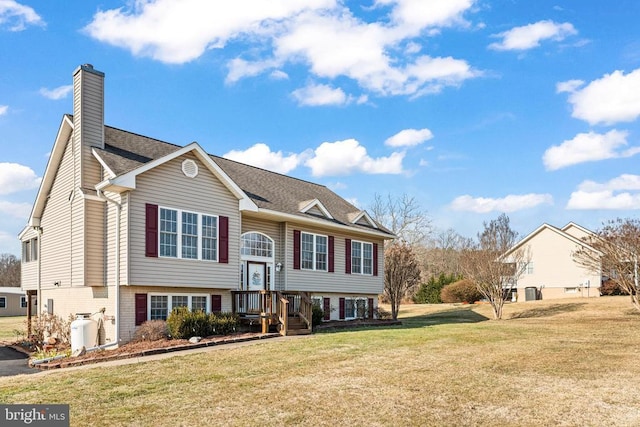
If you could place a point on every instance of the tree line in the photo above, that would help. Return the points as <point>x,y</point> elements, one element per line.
<point>9,270</point>
<point>422,262</point>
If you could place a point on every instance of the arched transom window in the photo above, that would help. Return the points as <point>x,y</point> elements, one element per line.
<point>257,244</point>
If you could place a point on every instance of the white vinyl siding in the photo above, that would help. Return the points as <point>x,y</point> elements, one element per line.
<point>332,283</point>
<point>169,188</point>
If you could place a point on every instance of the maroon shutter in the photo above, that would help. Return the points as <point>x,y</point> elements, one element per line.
<point>341,310</point>
<point>216,303</point>
<point>375,259</point>
<point>223,223</point>
<point>347,256</point>
<point>151,230</point>
<point>370,302</point>
<point>331,258</point>
<point>326,308</point>
<point>296,249</point>
<point>141,308</point>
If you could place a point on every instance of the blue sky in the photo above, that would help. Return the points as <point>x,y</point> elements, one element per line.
<point>473,107</point>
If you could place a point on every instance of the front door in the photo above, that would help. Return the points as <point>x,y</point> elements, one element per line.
<point>256,276</point>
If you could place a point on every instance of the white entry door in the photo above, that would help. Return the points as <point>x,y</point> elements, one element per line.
<point>257,276</point>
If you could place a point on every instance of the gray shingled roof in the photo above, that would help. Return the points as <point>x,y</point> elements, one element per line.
<point>125,151</point>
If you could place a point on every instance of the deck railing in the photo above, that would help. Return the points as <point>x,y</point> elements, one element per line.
<point>273,305</point>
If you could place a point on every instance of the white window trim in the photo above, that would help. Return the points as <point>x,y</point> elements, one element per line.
<point>170,300</point>
<point>257,257</point>
<point>361,272</point>
<point>355,300</point>
<point>179,234</point>
<point>315,253</point>
<point>4,299</point>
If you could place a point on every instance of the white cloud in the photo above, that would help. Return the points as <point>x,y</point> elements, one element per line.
<point>318,94</point>
<point>322,35</point>
<point>569,86</point>
<point>179,32</point>
<point>57,93</point>
<point>260,155</point>
<point>588,147</point>
<point>4,109</point>
<point>348,156</point>
<point>17,16</point>
<point>530,36</point>
<point>511,203</point>
<point>16,210</point>
<point>622,192</point>
<point>15,177</point>
<point>279,75</point>
<point>611,99</point>
<point>409,138</point>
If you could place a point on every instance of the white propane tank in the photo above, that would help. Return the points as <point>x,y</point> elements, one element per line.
<point>84,332</point>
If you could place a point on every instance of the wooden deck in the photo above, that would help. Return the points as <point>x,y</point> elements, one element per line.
<point>289,312</point>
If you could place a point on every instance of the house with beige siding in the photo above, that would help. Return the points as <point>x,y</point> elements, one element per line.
<point>125,228</point>
<point>13,301</point>
<point>551,271</point>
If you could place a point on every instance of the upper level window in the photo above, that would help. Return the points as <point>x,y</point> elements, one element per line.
<point>528,268</point>
<point>30,250</point>
<point>313,251</point>
<point>257,244</point>
<point>361,258</point>
<point>188,235</point>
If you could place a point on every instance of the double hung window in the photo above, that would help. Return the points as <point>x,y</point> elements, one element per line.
<point>188,235</point>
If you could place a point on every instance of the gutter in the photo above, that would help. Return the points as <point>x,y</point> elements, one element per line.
<point>117,262</point>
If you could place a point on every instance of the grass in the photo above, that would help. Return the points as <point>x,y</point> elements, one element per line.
<point>8,326</point>
<point>570,363</point>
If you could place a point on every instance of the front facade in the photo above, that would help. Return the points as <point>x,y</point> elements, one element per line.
<point>126,227</point>
<point>551,271</point>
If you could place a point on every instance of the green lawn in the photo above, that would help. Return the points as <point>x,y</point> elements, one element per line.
<point>8,326</point>
<point>570,363</point>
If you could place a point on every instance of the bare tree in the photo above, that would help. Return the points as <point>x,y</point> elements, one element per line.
<point>9,270</point>
<point>403,216</point>
<point>401,273</point>
<point>441,255</point>
<point>495,264</point>
<point>613,251</point>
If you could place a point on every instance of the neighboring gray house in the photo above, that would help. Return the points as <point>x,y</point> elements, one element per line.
<point>126,227</point>
<point>13,302</point>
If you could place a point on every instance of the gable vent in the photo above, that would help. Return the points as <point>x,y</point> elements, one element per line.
<point>190,168</point>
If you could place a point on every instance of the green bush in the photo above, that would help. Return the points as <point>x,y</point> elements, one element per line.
<point>461,291</point>
<point>183,323</point>
<point>317,314</point>
<point>429,293</point>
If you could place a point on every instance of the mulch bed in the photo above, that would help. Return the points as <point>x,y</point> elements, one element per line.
<point>149,348</point>
<point>345,324</point>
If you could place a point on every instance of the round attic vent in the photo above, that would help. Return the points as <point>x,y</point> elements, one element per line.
<point>190,168</point>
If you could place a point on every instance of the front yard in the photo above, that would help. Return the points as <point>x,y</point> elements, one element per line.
<point>570,362</point>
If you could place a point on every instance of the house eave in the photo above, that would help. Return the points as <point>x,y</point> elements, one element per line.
<point>281,216</point>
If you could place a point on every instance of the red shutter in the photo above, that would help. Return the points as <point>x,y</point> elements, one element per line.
<point>151,230</point>
<point>341,309</point>
<point>331,258</point>
<point>326,308</point>
<point>141,308</point>
<point>223,223</point>
<point>296,249</point>
<point>370,302</point>
<point>216,303</point>
<point>375,259</point>
<point>347,256</point>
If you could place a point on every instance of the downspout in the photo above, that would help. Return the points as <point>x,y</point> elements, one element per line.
<point>117,262</point>
<point>39,274</point>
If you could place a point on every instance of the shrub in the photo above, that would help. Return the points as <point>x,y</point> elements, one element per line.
<point>381,313</point>
<point>223,323</point>
<point>183,323</point>
<point>461,291</point>
<point>429,293</point>
<point>610,287</point>
<point>151,330</point>
<point>51,325</point>
<point>317,314</point>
